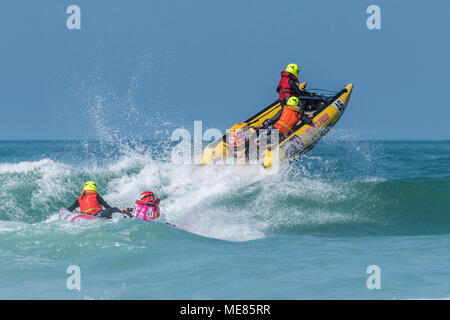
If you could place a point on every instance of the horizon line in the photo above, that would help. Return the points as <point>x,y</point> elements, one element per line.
<point>148,139</point>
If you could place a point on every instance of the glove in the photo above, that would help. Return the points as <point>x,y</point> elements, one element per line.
<point>265,124</point>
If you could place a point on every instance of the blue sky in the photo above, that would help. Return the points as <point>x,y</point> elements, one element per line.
<point>219,62</point>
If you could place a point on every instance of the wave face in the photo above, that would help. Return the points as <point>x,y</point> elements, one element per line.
<point>339,189</point>
<point>343,193</point>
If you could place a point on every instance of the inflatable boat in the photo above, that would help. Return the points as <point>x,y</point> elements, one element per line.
<point>67,215</point>
<point>242,142</point>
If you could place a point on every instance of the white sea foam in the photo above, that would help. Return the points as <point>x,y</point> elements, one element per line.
<point>192,195</point>
<point>7,226</point>
<point>25,166</point>
<point>189,193</point>
<point>224,202</point>
<point>193,198</point>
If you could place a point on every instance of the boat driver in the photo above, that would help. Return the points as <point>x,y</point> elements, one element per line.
<point>289,86</point>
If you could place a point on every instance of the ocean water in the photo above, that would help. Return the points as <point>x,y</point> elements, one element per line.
<point>309,231</point>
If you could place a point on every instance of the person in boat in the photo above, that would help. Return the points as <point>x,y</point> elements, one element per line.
<point>90,202</point>
<point>146,208</point>
<point>289,86</point>
<point>286,119</point>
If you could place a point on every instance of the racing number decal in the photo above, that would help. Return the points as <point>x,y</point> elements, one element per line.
<point>340,104</point>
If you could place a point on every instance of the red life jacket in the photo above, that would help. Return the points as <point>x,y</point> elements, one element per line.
<point>284,89</point>
<point>289,117</point>
<point>151,203</point>
<point>88,202</point>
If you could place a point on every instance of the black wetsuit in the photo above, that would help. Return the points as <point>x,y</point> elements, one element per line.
<point>105,214</point>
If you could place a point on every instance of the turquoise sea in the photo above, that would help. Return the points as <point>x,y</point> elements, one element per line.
<point>308,232</point>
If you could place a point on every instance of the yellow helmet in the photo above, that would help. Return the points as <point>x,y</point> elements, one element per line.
<point>292,101</point>
<point>90,186</point>
<point>292,68</point>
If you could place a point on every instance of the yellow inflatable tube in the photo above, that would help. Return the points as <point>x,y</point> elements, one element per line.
<point>306,136</point>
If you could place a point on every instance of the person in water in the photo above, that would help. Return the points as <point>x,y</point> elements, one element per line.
<point>90,202</point>
<point>146,208</point>
<point>286,119</point>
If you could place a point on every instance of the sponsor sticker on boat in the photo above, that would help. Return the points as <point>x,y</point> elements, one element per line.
<point>339,105</point>
<point>321,121</point>
<point>237,138</point>
<point>292,146</point>
<point>231,139</point>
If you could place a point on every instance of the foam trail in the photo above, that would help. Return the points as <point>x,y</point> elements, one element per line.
<point>224,202</point>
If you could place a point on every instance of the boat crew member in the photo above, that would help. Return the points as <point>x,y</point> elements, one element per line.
<point>288,85</point>
<point>90,202</point>
<point>146,208</point>
<point>286,119</point>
